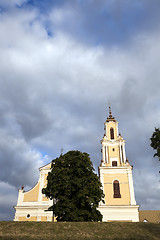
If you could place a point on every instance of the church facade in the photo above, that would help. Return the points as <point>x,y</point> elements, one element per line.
<point>32,204</point>
<point>115,174</point>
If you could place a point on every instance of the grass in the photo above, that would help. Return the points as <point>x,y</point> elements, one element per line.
<point>78,231</point>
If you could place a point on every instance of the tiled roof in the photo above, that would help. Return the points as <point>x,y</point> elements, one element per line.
<point>149,215</point>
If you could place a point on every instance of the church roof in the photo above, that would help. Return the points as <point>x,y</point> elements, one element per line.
<point>149,215</point>
<point>46,167</point>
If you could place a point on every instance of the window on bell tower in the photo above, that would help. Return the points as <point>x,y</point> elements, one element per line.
<point>116,189</point>
<point>114,163</point>
<point>111,133</point>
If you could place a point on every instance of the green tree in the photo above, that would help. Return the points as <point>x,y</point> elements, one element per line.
<point>74,188</point>
<point>155,142</point>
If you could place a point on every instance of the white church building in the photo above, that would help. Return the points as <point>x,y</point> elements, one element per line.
<point>115,174</point>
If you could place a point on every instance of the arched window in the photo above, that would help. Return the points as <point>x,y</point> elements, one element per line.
<point>116,189</point>
<point>114,163</point>
<point>112,133</point>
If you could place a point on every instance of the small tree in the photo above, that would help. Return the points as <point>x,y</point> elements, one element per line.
<point>75,188</point>
<point>155,142</point>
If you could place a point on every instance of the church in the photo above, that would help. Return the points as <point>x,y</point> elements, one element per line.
<point>115,174</point>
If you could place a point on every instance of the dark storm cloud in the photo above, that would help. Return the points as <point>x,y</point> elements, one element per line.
<point>17,157</point>
<point>8,195</point>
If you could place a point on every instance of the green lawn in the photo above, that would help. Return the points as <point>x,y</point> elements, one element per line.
<point>78,231</point>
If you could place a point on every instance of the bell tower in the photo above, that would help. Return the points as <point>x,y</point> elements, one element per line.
<point>113,145</point>
<point>116,176</point>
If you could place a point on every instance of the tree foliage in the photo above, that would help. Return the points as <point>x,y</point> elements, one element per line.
<point>155,142</point>
<point>74,188</point>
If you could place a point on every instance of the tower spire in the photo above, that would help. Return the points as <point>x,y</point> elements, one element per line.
<point>110,113</point>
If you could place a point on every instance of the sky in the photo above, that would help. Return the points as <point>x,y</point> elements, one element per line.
<point>61,63</point>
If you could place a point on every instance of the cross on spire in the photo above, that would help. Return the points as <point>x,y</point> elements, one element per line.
<point>110,113</point>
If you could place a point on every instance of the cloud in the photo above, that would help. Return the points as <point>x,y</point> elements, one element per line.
<point>18,161</point>
<point>12,3</point>
<point>147,189</point>
<point>8,198</point>
<point>55,88</point>
<point>101,22</point>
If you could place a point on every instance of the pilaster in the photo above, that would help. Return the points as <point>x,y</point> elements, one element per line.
<point>131,188</point>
